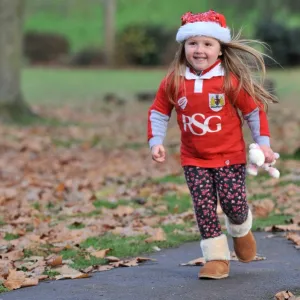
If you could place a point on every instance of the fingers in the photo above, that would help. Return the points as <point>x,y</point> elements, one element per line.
<point>158,153</point>
<point>269,156</point>
<point>269,159</point>
<point>268,153</point>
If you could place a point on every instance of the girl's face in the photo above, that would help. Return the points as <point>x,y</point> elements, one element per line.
<point>202,52</point>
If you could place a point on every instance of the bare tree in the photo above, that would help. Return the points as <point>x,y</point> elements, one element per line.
<point>12,105</point>
<point>109,30</point>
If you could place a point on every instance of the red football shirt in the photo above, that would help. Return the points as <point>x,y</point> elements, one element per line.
<point>211,128</point>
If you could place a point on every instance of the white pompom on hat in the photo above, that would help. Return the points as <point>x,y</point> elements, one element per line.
<point>211,24</point>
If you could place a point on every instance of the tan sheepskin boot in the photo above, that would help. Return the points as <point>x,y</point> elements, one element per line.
<point>217,256</point>
<point>243,240</point>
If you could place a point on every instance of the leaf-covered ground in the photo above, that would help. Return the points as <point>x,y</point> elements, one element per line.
<point>79,193</point>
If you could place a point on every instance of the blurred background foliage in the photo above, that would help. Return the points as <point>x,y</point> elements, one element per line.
<point>72,31</point>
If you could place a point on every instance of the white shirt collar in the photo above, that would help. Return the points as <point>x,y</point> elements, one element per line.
<point>214,72</point>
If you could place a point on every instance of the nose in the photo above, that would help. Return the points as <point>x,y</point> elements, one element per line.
<point>199,48</point>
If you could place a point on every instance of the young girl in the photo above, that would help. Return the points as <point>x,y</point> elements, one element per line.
<point>210,84</point>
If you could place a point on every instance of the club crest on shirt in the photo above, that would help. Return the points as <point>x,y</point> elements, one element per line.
<point>182,102</point>
<point>216,101</point>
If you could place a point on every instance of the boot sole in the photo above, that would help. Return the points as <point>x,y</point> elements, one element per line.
<point>213,277</point>
<point>246,261</point>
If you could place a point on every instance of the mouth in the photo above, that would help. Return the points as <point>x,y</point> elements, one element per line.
<point>199,59</point>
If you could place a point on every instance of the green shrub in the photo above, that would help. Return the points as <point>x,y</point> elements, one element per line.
<point>284,43</point>
<point>144,45</point>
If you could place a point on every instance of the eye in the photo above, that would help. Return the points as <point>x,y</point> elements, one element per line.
<point>208,44</point>
<point>192,43</point>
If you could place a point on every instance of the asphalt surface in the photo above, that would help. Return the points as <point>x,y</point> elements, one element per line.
<point>166,280</point>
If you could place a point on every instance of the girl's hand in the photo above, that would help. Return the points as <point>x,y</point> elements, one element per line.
<point>268,152</point>
<point>158,153</point>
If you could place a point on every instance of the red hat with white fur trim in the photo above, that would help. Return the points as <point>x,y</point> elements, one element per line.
<point>209,23</point>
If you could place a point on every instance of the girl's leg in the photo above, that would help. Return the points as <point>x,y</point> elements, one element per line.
<point>230,181</point>
<point>203,191</point>
<point>214,244</point>
<point>232,193</point>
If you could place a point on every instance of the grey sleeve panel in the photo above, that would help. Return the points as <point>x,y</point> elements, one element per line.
<point>254,125</point>
<point>156,140</point>
<point>159,125</point>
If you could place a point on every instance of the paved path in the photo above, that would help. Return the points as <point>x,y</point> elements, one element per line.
<point>166,280</point>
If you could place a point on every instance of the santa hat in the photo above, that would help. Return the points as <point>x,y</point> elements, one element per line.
<point>209,23</point>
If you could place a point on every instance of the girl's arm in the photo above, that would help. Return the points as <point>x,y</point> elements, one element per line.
<point>257,120</point>
<point>258,124</point>
<point>254,114</point>
<point>158,117</point>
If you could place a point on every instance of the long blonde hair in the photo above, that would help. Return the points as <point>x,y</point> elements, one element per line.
<point>238,59</point>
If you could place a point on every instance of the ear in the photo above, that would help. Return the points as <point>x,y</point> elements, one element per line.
<point>221,48</point>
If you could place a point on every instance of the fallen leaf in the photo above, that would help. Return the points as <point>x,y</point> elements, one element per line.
<point>88,269</point>
<point>5,266</point>
<point>128,263</point>
<point>152,221</point>
<point>101,253</point>
<point>158,236</point>
<point>8,193</point>
<point>143,259</point>
<point>280,228</point>
<point>294,237</point>
<point>54,260</point>
<point>112,258</point>
<point>296,220</point>
<point>13,255</point>
<point>284,295</point>
<point>196,262</point>
<point>122,211</point>
<point>30,282</point>
<point>257,257</point>
<point>262,208</point>
<point>104,268</point>
<point>68,272</point>
<point>14,280</point>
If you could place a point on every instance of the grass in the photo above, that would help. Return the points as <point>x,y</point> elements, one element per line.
<point>136,245</point>
<point>89,86</point>
<point>36,205</point>
<point>80,259</point>
<point>3,289</point>
<point>76,226</point>
<point>108,204</point>
<point>51,273</point>
<point>178,179</point>
<point>76,86</point>
<point>2,222</point>
<point>259,196</point>
<point>178,204</point>
<point>126,247</point>
<point>11,236</point>
<point>261,223</point>
<point>290,156</point>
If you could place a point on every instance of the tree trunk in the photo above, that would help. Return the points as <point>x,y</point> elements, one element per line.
<point>109,30</point>
<point>12,105</point>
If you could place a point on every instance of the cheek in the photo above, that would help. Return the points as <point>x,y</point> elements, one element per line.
<point>188,52</point>
<point>215,53</point>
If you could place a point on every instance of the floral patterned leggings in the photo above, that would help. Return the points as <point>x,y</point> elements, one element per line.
<point>206,184</point>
